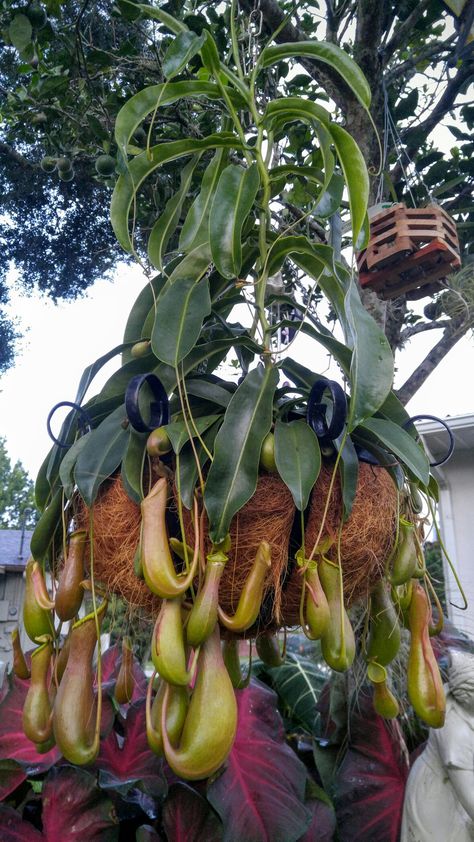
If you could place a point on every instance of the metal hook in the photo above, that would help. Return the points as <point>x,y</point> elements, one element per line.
<point>159,408</point>
<point>84,423</point>
<point>449,452</point>
<point>316,411</point>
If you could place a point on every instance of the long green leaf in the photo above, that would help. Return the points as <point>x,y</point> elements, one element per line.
<point>165,225</point>
<point>186,45</point>
<point>281,111</point>
<point>355,175</point>
<point>66,469</point>
<point>45,529</point>
<point>329,54</point>
<point>143,165</point>
<point>101,456</point>
<point>154,13</point>
<point>195,228</point>
<point>178,431</point>
<point>132,465</point>
<point>212,392</point>
<point>137,108</point>
<point>180,313</point>
<point>233,200</point>
<point>134,328</point>
<point>371,373</point>
<point>298,459</point>
<point>187,469</point>
<point>402,445</point>
<point>232,478</point>
<point>349,473</point>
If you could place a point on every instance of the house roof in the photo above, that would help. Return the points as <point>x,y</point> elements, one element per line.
<point>14,549</point>
<point>437,440</point>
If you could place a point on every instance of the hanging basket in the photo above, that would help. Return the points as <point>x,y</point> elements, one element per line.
<point>367,536</point>
<point>410,251</point>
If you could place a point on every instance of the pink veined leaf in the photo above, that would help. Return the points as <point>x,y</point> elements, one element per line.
<point>15,829</point>
<point>370,782</point>
<point>74,808</point>
<point>147,833</point>
<point>323,822</point>
<point>13,743</point>
<point>11,776</point>
<point>260,794</point>
<point>187,817</point>
<point>125,759</point>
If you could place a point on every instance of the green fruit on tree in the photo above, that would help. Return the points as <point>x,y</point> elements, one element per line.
<point>158,442</point>
<point>140,349</point>
<point>64,165</point>
<point>48,164</point>
<point>105,165</point>
<point>66,175</point>
<point>267,454</point>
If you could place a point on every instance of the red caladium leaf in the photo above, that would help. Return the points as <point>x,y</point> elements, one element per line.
<point>111,661</point>
<point>370,782</point>
<point>13,743</point>
<point>187,817</point>
<point>323,822</point>
<point>15,829</point>
<point>260,794</point>
<point>126,758</point>
<point>74,808</point>
<point>11,776</point>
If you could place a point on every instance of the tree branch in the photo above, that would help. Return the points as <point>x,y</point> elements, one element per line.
<point>422,327</point>
<point>442,107</point>
<point>8,152</point>
<point>404,29</point>
<point>434,50</point>
<point>449,339</point>
<point>273,17</point>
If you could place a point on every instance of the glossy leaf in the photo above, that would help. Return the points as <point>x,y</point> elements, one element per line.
<point>260,794</point>
<point>371,373</point>
<point>15,829</point>
<point>46,527</point>
<point>155,13</point>
<point>11,776</point>
<point>349,473</point>
<point>181,50</point>
<point>101,455</point>
<point>144,302</point>
<point>209,391</point>
<point>66,468</point>
<point>132,465</point>
<point>74,808</point>
<point>298,459</point>
<point>178,431</point>
<point>126,758</point>
<point>290,108</point>
<point>323,821</point>
<point>143,165</point>
<point>187,817</point>
<point>13,743</point>
<point>195,228</point>
<point>355,176</point>
<point>298,682</point>
<point>232,478</point>
<point>327,53</point>
<point>181,311</point>
<point>187,472</point>
<point>402,445</point>
<point>164,227</point>
<point>233,200</point>
<point>370,782</point>
<point>138,107</point>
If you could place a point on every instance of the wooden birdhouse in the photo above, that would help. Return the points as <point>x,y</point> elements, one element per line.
<point>410,251</point>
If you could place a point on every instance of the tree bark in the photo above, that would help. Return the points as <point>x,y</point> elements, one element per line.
<point>449,339</point>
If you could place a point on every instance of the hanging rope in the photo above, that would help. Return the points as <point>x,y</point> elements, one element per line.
<point>410,172</point>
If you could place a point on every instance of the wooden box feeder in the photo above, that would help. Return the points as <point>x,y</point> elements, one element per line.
<point>410,251</point>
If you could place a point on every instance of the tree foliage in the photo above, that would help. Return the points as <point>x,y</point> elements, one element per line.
<point>17,504</point>
<point>65,75</point>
